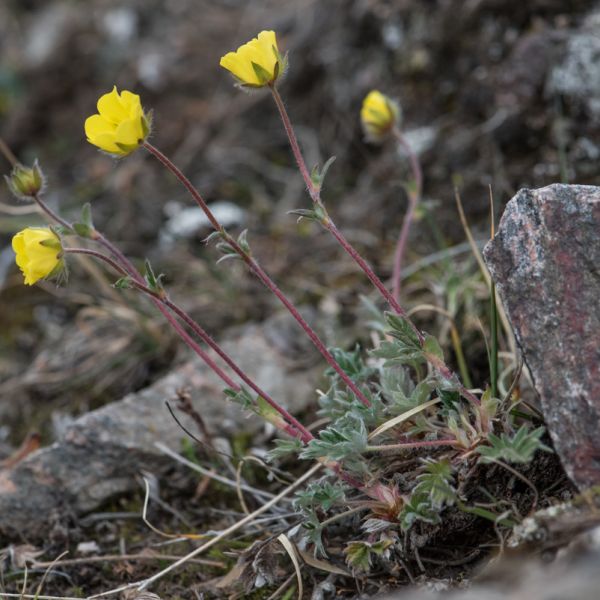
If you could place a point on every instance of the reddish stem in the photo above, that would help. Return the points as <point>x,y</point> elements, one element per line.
<point>298,429</point>
<point>197,329</point>
<point>291,134</point>
<point>315,194</point>
<point>258,271</point>
<point>414,195</point>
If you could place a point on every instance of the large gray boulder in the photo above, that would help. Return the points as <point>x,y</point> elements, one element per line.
<point>102,454</point>
<point>545,260</point>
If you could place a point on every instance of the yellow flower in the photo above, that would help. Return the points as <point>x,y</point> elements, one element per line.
<point>38,252</point>
<point>378,115</point>
<point>121,126</point>
<point>257,63</point>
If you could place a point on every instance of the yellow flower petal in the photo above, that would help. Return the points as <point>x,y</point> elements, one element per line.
<point>96,125</point>
<point>37,253</point>
<point>107,142</point>
<point>111,108</point>
<point>378,115</point>
<point>129,132</point>
<point>240,68</point>
<point>121,120</point>
<point>263,52</point>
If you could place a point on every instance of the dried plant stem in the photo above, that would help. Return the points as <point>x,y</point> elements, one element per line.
<point>315,194</point>
<point>411,445</point>
<point>258,271</point>
<point>414,190</point>
<point>292,426</point>
<point>142,585</point>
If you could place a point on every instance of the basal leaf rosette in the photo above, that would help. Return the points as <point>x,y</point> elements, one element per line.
<point>38,253</point>
<point>257,63</point>
<point>120,126</point>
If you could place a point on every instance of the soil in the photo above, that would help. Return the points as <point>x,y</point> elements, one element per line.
<point>484,102</point>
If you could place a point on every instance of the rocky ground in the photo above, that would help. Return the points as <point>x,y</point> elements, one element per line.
<point>494,93</point>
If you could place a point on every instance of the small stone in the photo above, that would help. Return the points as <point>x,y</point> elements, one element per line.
<point>545,260</point>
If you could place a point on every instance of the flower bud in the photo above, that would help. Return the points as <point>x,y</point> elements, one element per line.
<point>25,182</point>
<point>379,114</point>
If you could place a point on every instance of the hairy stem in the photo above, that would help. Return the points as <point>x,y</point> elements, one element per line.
<point>414,190</point>
<point>258,271</point>
<point>315,194</point>
<point>297,429</point>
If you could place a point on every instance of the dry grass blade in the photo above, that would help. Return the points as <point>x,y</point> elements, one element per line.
<point>322,565</point>
<point>144,556</point>
<point>403,417</point>
<point>171,536</point>
<point>141,585</point>
<point>41,585</point>
<point>207,473</point>
<point>291,550</point>
<point>484,271</point>
<point>36,596</point>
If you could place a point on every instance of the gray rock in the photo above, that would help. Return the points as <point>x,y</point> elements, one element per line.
<point>545,261</point>
<point>578,76</point>
<point>101,454</point>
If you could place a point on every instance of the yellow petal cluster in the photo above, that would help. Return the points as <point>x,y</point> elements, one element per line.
<point>37,252</point>
<point>378,115</point>
<point>257,63</point>
<point>120,125</point>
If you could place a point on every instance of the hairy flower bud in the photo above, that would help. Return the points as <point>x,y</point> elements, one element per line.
<point>378,115</point>
<point>25,182</point>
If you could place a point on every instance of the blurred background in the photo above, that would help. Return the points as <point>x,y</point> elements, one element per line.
<point>500,93</point>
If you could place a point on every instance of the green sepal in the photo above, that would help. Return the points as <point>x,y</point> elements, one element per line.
<point>317,213</point>
<point>124,283</point>
<point>52,243</point>
<point>25,182</point>
<point>262,74</point>
<point>243,241</point>
<point>242,396</point>
<point>61,230</point>
<point>212,236</point>
<point>153,281</point>
<point>317,176</point>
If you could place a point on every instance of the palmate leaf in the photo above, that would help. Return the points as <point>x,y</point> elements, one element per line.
<point>517,449</point>
<point>351,363</point>
<point>418,508</point>
<point>284,448</point>
<point>401,329</point>
<point>320,494</point>
<point>359,554</point>
<point>433,492</point>
<point>436,481</point>
<point>346,439</point>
